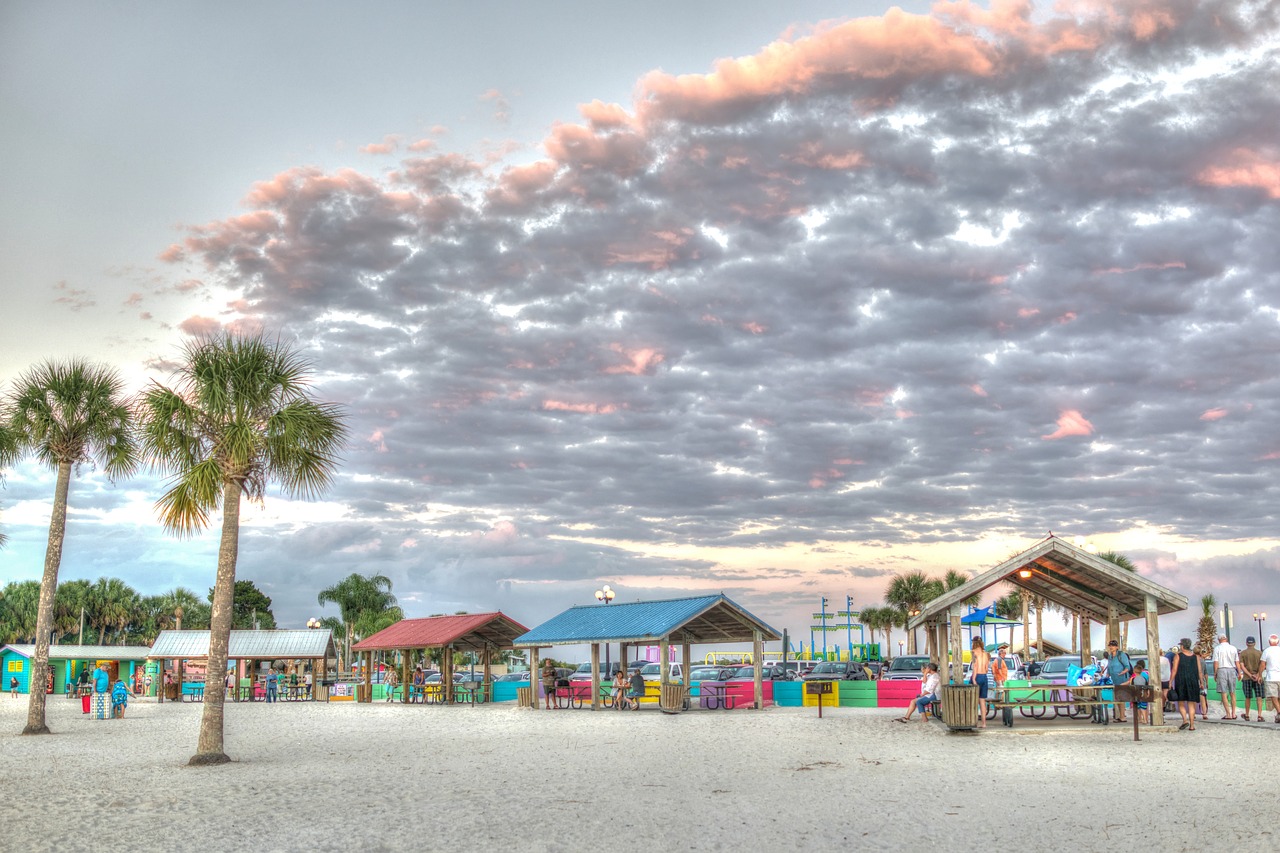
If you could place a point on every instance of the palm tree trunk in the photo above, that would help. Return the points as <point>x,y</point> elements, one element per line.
<point>209,747</point>
<point>44,611</point>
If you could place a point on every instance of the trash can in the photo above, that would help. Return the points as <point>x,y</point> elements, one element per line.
<point>524,697</point>
<point>171,692</point>
<point>322,692</point>
<point>959,706</point>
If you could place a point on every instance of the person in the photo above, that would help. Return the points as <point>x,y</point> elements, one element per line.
<point>101,686</point>
<point>637,690</point>
<point>84,681</point>
<point>306,683</point>
<point>928,693</point>
<point>1166,667</point>
<point>620,700</point>
<point>119,699</point>
<point>1141,678</point>
<point>1120,670</point>
<point>549,682</point>
<point>272,684</point>
<point>1000,667</point>
<point>419,685</point>
<point>1250,668</point>
<point>980,661</point>
<point>1226,662</point>
<point>1185,680</point>
<point>13,686</point>
<point>1271,673</point>
<point>1204,688</point>
<point>392,682</point>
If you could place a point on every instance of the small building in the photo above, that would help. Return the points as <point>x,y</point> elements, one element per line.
<point>67,661</point>
<point>313,646</point>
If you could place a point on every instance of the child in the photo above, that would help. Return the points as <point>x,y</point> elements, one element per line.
<point>1140,679</point>
<point>13,686</point>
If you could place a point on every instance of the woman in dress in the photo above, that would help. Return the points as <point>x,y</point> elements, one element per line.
<point>1184,683</point>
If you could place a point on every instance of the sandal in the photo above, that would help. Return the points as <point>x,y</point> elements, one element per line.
<point>1183,727</point>
<point>901,720</point>
<point>1246,718</point>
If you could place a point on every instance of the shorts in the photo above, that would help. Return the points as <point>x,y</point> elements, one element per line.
<point>1226,678</point>
<point>1273,689</point>
<point>980,681</point>
<point>1252,689</point>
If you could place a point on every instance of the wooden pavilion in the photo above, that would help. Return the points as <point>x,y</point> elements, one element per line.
<point>1084,583</point>
<point>314,645</point>
<point>684,621</point>
<point>476,632</point>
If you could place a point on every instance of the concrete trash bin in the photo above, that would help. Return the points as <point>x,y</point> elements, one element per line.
<point>959,706</point>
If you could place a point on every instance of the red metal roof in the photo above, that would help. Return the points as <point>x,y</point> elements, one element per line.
<point>471,630</point>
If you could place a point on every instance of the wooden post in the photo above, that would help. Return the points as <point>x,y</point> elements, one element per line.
<point>1086,644</point>
<point>1026,625</point>
<point>1113,624</point>
<point>664,665</point>
<point>595,676</point>
<point>757,656</point>
<point>1153,659</point>
<point>686,662</point>
<point>956,646</point>
<point>368,676</point>
<point>535,671</point>
<point>488,666</point>
<point>446,673</point>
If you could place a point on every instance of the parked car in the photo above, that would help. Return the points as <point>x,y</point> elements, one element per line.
<point>1055,668</point>
<point>796,668</point>
<point>775,672</point>
<point>842,670</point>
<point>904,668</point>
<point>652,672</point>
<point>636,665</point>
<point>710,673</point>
<point>583,672</point>
<point>514,676</point>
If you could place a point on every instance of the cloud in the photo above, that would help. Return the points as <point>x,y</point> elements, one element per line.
<point>388,145</point>
<point>1070,423</point>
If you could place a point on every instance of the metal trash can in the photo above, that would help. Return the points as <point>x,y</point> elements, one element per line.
<point>959,706</point>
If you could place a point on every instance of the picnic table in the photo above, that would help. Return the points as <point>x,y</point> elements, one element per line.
<point>1037,699</point>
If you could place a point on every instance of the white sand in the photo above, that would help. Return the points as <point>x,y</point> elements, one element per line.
<point>387,777</point>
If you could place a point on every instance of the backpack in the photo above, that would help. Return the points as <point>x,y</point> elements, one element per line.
<point>1127,664</point>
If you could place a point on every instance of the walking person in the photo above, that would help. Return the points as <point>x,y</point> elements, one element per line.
<point>1250,663</point>
<point>1185,681</point>
<point>392,682</point>
<point>1226,662</point>
<point>1271,673</point>
<point>980,662</point>
<point>549,682</point>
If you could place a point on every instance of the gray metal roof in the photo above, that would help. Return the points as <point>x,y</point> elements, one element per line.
<point>703,619</point>
<point>84,652</point>
<point>284,644</point>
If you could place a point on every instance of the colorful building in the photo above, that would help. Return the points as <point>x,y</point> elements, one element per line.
<point>66,663</point>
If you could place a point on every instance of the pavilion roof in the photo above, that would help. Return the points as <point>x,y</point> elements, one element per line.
<point>78,652</point>
<point>697,620</point>
<point>279,644</point>
<point>1067,575</point>
<point>462,631</point>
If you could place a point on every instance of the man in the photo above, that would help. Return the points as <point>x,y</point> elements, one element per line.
<point>928,692</point>
<point>1120,670</point>
<point>1271,673</point>
<point>1226,658</point>
<point>1250,669</point>
<point>980,662</point>
<point>1000,672</point>
<point>101,687</point>
<point>272,684</point>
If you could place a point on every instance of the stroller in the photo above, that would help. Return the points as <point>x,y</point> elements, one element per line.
<point>119,700</point>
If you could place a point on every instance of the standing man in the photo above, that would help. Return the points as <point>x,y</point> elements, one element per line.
<point>1271,673</point>
<point>101,687</point>
<point>1120,670</point>
<point>1226,659</point>
<point>272,684</point>
<point>1250,664</point>
<point>980,662</point>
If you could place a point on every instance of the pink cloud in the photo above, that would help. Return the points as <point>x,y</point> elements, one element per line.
<point>1213,414</point>
<point>1167,265</point>
<point>501,106</point>
<point>580,408</point>
<point>388,145</point>
<point>1070,422</point>
<point>1245,167</point>
<point>643,361</point>
<point>378,442</point>
<point>199,326</point>
<point>173,254</point>
<point>602,116</point>
<point>134,300</point>
<point>978,389</point>
<point>420,145</point>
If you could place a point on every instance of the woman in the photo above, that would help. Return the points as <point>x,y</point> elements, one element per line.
<point>549,682</point>
<point>392,683</point>
<point>620,700</point>
<point>419,682</point>
<point>1185,681</point>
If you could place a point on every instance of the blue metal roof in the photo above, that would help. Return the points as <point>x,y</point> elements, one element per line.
<point>707,618</point>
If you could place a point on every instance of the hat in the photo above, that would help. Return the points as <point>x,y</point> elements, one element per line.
<point>1002,646</point>
<point>1249,640</point>
<point>1114,643</point>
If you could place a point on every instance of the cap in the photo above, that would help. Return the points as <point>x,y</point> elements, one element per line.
<point>1249,640</point>
<point>1114,643</point>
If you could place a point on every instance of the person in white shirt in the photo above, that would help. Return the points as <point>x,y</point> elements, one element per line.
<point>1226,661</point>
<point>928,692</point>
<point>1271,673</point>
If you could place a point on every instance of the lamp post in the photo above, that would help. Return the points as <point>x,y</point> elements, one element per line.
<point>606,595</point>
<point>1260,618</point>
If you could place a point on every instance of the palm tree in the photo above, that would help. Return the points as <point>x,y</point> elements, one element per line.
<point>8,451</point>
<point>1206,629</point>
<point>1125,563</point>
<point>909,592</point>
<point>239,418</point>
<point>19,603</point>
<point>356,595</point>
<point>112,605</point>
<point>872,620</point>
<point>69,602</point>
<point>67,414</point>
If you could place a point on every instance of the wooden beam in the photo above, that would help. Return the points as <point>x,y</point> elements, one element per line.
<point>1153,659</point>
<point>664,665</point>
<point>595,676</point>
<point>686,661</point>
<point>757,656</point>
<point>956,646</point>
<point>535,671</point>
<point>1086,645</point>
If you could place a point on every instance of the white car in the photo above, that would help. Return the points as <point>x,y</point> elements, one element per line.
<point>652,672</point>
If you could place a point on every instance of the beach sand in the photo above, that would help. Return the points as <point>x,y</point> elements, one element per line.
<point>342,776</point>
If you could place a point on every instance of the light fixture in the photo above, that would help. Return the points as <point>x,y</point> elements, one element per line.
<point>313,622</point>
<point>1024,573</point>
<point>604,594</point>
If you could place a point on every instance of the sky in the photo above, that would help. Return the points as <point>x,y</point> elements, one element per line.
<point>769,299</point>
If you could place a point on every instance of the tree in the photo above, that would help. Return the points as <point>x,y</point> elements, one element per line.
<point>250,608</point>
<point>68,413</point>
<point>909,592</point>
<point>112,605</point>
<point>70,602</point>
<point>1125,563</point>
<point>19,604</point>
<point>8,450</point>
<point>1206,629</point>
<point>356,595</point>
<point>239,417</point>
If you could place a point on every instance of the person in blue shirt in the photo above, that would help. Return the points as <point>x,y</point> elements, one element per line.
<point>271,684</point>
<point>101,679</point>
<point>1120,669</point>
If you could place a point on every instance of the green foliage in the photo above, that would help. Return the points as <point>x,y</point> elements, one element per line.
<point>19,602</point>
<point>250,605</point>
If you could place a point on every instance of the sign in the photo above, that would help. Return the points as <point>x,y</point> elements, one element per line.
<point>341,689</point>
<point>818,688</point>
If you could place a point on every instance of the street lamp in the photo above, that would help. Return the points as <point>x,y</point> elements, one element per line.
<point>606,595</point>
<point>313,622</point>
<point>1260,618</point>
